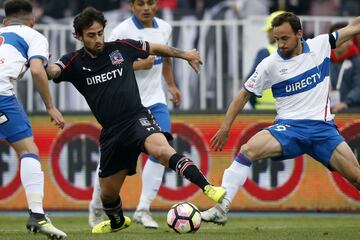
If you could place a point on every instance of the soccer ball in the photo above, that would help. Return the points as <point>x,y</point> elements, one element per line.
<point>184,218</point>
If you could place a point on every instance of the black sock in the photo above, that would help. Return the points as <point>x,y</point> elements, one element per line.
<point>185,167</point>
<point>114,212</point>
<point>37,216</point>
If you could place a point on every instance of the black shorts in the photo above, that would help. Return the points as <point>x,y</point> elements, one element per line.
<point>121,144</point>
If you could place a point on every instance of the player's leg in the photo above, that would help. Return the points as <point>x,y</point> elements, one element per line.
<point>31,175</point>
<point>151,177</point>
<point>261,145</point>
<point>32,178</point>
<point>18,133</point>
<point>344,161</point>
<point>329,148</point>
<point>96,212</point>
<point>157,145</point>
<point>110,187</point>
<point>152,173</point>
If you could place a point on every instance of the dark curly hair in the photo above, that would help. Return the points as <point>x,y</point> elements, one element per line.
<point>86,18</point>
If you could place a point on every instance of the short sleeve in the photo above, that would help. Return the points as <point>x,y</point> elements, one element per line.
<point>38,48</point>
<point>258,81</point>
<point>65,65</point>
<point>323,44</point>
<point>136,49</point>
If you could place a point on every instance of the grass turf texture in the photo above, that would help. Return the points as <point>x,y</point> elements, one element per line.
<point>250,227</point>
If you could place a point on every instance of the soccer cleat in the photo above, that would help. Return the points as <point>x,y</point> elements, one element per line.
<point>216,194</point>
<point>144,217</point>
<point>215,215</point>
<point>96,215</point>
<point>105,226</point>
<point>44,226</point>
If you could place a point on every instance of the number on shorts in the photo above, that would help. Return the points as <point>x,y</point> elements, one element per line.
<point>280,128</point>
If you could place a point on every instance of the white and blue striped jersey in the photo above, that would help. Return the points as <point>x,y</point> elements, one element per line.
<point>18,45</point>
<point>149,81</point>
<point>300,84</point>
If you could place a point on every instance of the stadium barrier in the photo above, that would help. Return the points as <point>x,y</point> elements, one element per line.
<point>227,46</point>
<point>69,159</point>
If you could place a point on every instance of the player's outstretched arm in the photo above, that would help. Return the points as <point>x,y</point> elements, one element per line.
<point>349,31</point>
<point>42,86</point>
<point>237,104</point>
<point>53,71</point>
<point>192,56</point>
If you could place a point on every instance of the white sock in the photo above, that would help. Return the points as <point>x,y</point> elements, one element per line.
<point>96,199</point>
<point>234,177</point>
<point>152,176</point>
<point>32,179</point>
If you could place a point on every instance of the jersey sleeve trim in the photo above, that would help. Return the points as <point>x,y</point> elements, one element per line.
<point>60,64</point>
<point>251,92</point>
<point>333,37</point>
<point>144,47</point>
<point>39,57</point>
<point>63,65</point>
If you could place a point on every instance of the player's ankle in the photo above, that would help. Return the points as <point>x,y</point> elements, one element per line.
<point>225,205</point>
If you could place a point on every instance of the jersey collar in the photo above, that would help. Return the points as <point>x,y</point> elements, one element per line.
<point>140,26</point>
<point>305,48</point>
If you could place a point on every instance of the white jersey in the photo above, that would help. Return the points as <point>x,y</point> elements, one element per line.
<point>300,84</point>
<point>19,44</point>
<point>149,81</point>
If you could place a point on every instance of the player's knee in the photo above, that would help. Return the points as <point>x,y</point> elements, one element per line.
<point>249,151</point>
<point>161,153</point>
<point>27,148</point>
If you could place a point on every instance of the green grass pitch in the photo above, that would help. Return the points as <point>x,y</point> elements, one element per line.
<point>239,226</point>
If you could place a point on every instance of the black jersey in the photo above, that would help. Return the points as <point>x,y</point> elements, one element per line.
<point>108,81</point>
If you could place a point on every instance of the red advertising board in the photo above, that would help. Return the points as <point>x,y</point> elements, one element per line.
<point>69,158</point>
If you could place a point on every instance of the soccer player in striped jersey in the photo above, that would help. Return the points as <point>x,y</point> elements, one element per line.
<point>298,74</point>
<point>21,47</point>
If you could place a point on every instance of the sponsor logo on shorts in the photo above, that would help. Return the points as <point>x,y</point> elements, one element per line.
<point>3,119</point>
<point>144,122</point>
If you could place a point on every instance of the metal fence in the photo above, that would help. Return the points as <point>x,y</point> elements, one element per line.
<point>228,48</point>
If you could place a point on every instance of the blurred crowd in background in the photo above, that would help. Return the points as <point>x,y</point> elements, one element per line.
<point>54,9</point>
<point>233,57</point>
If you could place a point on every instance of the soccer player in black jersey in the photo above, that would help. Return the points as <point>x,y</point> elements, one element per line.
<point>103,74</point>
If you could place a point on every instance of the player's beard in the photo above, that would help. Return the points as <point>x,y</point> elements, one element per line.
<point>290,52</point>
<point>96,50</point>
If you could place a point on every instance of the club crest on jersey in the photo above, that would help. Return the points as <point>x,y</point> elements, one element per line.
<point>116,58</point>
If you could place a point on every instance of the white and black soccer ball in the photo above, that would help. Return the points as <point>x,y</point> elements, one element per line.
<point>184,218</point>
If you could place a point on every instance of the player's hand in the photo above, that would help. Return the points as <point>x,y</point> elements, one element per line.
<point>339,107</point>
<point>145,64</point>
<point>219,139</point>
<point>56,117</point>
<point>176,95</point>
<point>193,58</point>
